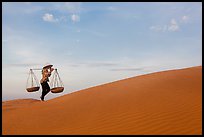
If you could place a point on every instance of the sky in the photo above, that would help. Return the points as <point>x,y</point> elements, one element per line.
<point>94,43</point>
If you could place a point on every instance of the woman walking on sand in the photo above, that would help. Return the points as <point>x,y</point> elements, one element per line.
<point>46,72</point>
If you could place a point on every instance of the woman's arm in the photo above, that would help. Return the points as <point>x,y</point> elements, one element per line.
<point>49,73</point>
<point>51,69</point>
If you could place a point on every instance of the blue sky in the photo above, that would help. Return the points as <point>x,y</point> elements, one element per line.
<point>96,43</point>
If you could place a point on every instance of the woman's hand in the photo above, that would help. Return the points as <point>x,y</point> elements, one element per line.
<point>51,69</point>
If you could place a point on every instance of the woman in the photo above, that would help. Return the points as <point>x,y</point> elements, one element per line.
<point>46,72</point>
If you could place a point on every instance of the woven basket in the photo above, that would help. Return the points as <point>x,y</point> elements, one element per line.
<point>57,89</point>
<point>33,89</point>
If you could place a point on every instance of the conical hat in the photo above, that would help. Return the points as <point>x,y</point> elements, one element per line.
<point>47,66</point>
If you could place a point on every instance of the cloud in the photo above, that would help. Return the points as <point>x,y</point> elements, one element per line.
<point>75,18</point>
<point>49,18</point>
<point>185,19</point>
<point>173,25</point>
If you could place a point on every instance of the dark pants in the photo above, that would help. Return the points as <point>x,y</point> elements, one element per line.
<point>45,89</point>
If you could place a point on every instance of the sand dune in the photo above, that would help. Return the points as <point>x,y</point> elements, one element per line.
<point>168,102</point>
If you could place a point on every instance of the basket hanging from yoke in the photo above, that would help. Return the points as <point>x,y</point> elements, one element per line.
<point>56,83</point>
<point>32,84</point>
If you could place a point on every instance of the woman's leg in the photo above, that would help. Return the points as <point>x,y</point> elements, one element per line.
<point>45,90</point>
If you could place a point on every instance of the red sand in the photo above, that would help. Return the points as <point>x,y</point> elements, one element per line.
<point>168,102</point>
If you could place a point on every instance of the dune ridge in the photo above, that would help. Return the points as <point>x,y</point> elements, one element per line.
<point>168,102</point>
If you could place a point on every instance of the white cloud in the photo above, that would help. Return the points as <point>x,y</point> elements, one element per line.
<point>173,25</point>
<point>185,19</point>
<point>49,17</point>
<point>75,18</point>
